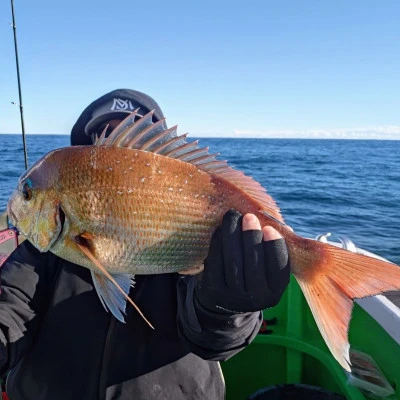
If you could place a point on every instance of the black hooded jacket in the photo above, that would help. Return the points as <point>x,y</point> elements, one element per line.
<point>58,342</point>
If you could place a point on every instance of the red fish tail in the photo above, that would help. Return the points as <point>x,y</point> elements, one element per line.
<point>330,278</point>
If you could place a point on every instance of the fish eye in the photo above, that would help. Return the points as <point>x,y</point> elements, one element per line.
<point>26,192</point>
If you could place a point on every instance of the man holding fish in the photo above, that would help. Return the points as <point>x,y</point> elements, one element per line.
<point>68,332</point>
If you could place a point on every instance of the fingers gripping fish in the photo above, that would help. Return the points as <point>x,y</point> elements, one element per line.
<point>145,201</point>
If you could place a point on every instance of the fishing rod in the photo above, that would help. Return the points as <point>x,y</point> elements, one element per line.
<point>21,108</point>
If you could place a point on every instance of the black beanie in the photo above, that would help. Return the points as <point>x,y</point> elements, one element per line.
<point>113,105</point>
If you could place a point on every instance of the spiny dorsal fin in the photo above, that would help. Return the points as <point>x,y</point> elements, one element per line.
<point>146,135</point>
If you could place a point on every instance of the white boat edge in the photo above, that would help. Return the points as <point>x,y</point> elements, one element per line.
<point>386,313</point>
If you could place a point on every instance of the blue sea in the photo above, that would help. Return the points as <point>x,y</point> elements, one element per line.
<point>350,188</point>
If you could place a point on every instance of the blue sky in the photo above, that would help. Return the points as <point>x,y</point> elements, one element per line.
<point>217,68</point>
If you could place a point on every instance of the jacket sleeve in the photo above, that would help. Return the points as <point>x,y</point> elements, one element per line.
<point>25,282</point>
<point>210,335</point>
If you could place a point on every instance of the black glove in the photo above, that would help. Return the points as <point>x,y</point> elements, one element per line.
<point>242,273</point>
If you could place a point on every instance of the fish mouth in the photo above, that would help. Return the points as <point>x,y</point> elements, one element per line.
<point>11,215</point>
<point>13,219</point>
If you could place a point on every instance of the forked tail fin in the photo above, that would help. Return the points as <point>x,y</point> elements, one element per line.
<point>330,278</point>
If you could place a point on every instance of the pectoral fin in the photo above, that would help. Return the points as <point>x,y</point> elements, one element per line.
<point>84,242</point>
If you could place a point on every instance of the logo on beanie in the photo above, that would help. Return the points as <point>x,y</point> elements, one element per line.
<point>120,104</point>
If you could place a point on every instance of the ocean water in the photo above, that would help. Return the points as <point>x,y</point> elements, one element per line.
<point>350,188</point>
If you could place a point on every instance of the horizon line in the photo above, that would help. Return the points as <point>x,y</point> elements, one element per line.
<point>294,137</point>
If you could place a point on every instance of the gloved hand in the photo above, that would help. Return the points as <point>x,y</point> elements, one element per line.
<point>243,272</point>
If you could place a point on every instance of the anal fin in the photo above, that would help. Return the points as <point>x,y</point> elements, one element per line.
<point>109,295</point>
<point>192,271</point>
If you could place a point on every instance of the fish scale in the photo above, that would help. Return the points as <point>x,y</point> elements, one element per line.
<point>144,208</point>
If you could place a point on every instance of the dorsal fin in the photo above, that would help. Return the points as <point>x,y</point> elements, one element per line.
<point>146,135</point>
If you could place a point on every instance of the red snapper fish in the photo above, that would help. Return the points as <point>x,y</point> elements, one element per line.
<point>146,201</point>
